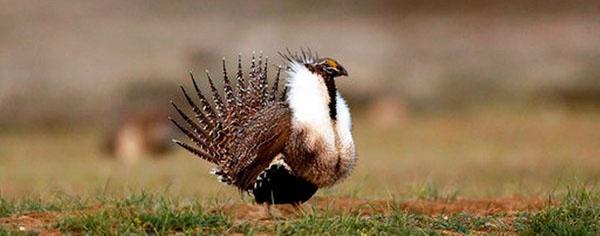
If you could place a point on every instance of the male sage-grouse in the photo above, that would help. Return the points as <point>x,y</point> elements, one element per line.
<point>278,146</point>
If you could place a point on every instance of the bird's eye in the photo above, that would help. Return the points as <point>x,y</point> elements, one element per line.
<point>330,70</point>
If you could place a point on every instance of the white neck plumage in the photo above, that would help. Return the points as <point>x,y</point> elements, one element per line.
<point>310,101</point>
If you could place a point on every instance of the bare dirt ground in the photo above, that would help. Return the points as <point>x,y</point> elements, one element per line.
<point>42,222</point>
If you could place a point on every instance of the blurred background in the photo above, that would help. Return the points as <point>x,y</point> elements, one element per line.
<point>467,98</point>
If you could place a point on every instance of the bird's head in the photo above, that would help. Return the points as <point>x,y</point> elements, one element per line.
<point>326,67</point>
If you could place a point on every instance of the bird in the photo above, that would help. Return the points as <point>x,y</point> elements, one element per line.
<point>278,145</point>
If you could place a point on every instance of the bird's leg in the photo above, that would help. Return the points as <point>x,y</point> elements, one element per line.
<point>268,206</point>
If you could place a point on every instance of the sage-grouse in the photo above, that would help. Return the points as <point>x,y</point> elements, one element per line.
<point>279,147</point>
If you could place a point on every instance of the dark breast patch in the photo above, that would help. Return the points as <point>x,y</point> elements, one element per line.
<point>278,185</point>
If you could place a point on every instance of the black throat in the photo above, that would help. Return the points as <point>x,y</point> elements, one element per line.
<point>331,91</point>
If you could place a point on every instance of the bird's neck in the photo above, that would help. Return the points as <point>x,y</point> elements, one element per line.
<point>332,93</point>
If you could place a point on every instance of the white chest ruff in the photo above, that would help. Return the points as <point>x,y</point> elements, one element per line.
<point>309,102</point>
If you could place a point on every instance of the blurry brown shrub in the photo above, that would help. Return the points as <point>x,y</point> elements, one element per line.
<point>387,112</point>
<point>141,128</point>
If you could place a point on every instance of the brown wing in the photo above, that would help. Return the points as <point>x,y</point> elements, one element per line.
<point>240,131</point>
<point>265,138</point>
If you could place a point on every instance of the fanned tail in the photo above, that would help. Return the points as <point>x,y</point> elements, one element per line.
<point>214,125</point>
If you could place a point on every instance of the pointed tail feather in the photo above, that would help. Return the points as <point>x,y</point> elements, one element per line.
<point>197,129</point>
<point>275,88</point>
<point>202,118</point>
<point>241,83</point>
<point>206,107</point>
<point>219,106</point>
<point>229,93</point>
<point>253,83</point>
<point>199,142</point>
<point>194,151</point>
<point>264,84</point>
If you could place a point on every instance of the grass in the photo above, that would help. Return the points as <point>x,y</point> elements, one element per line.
<point>8,208</point>
<point>579,214</point>
<point>143,213</point>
